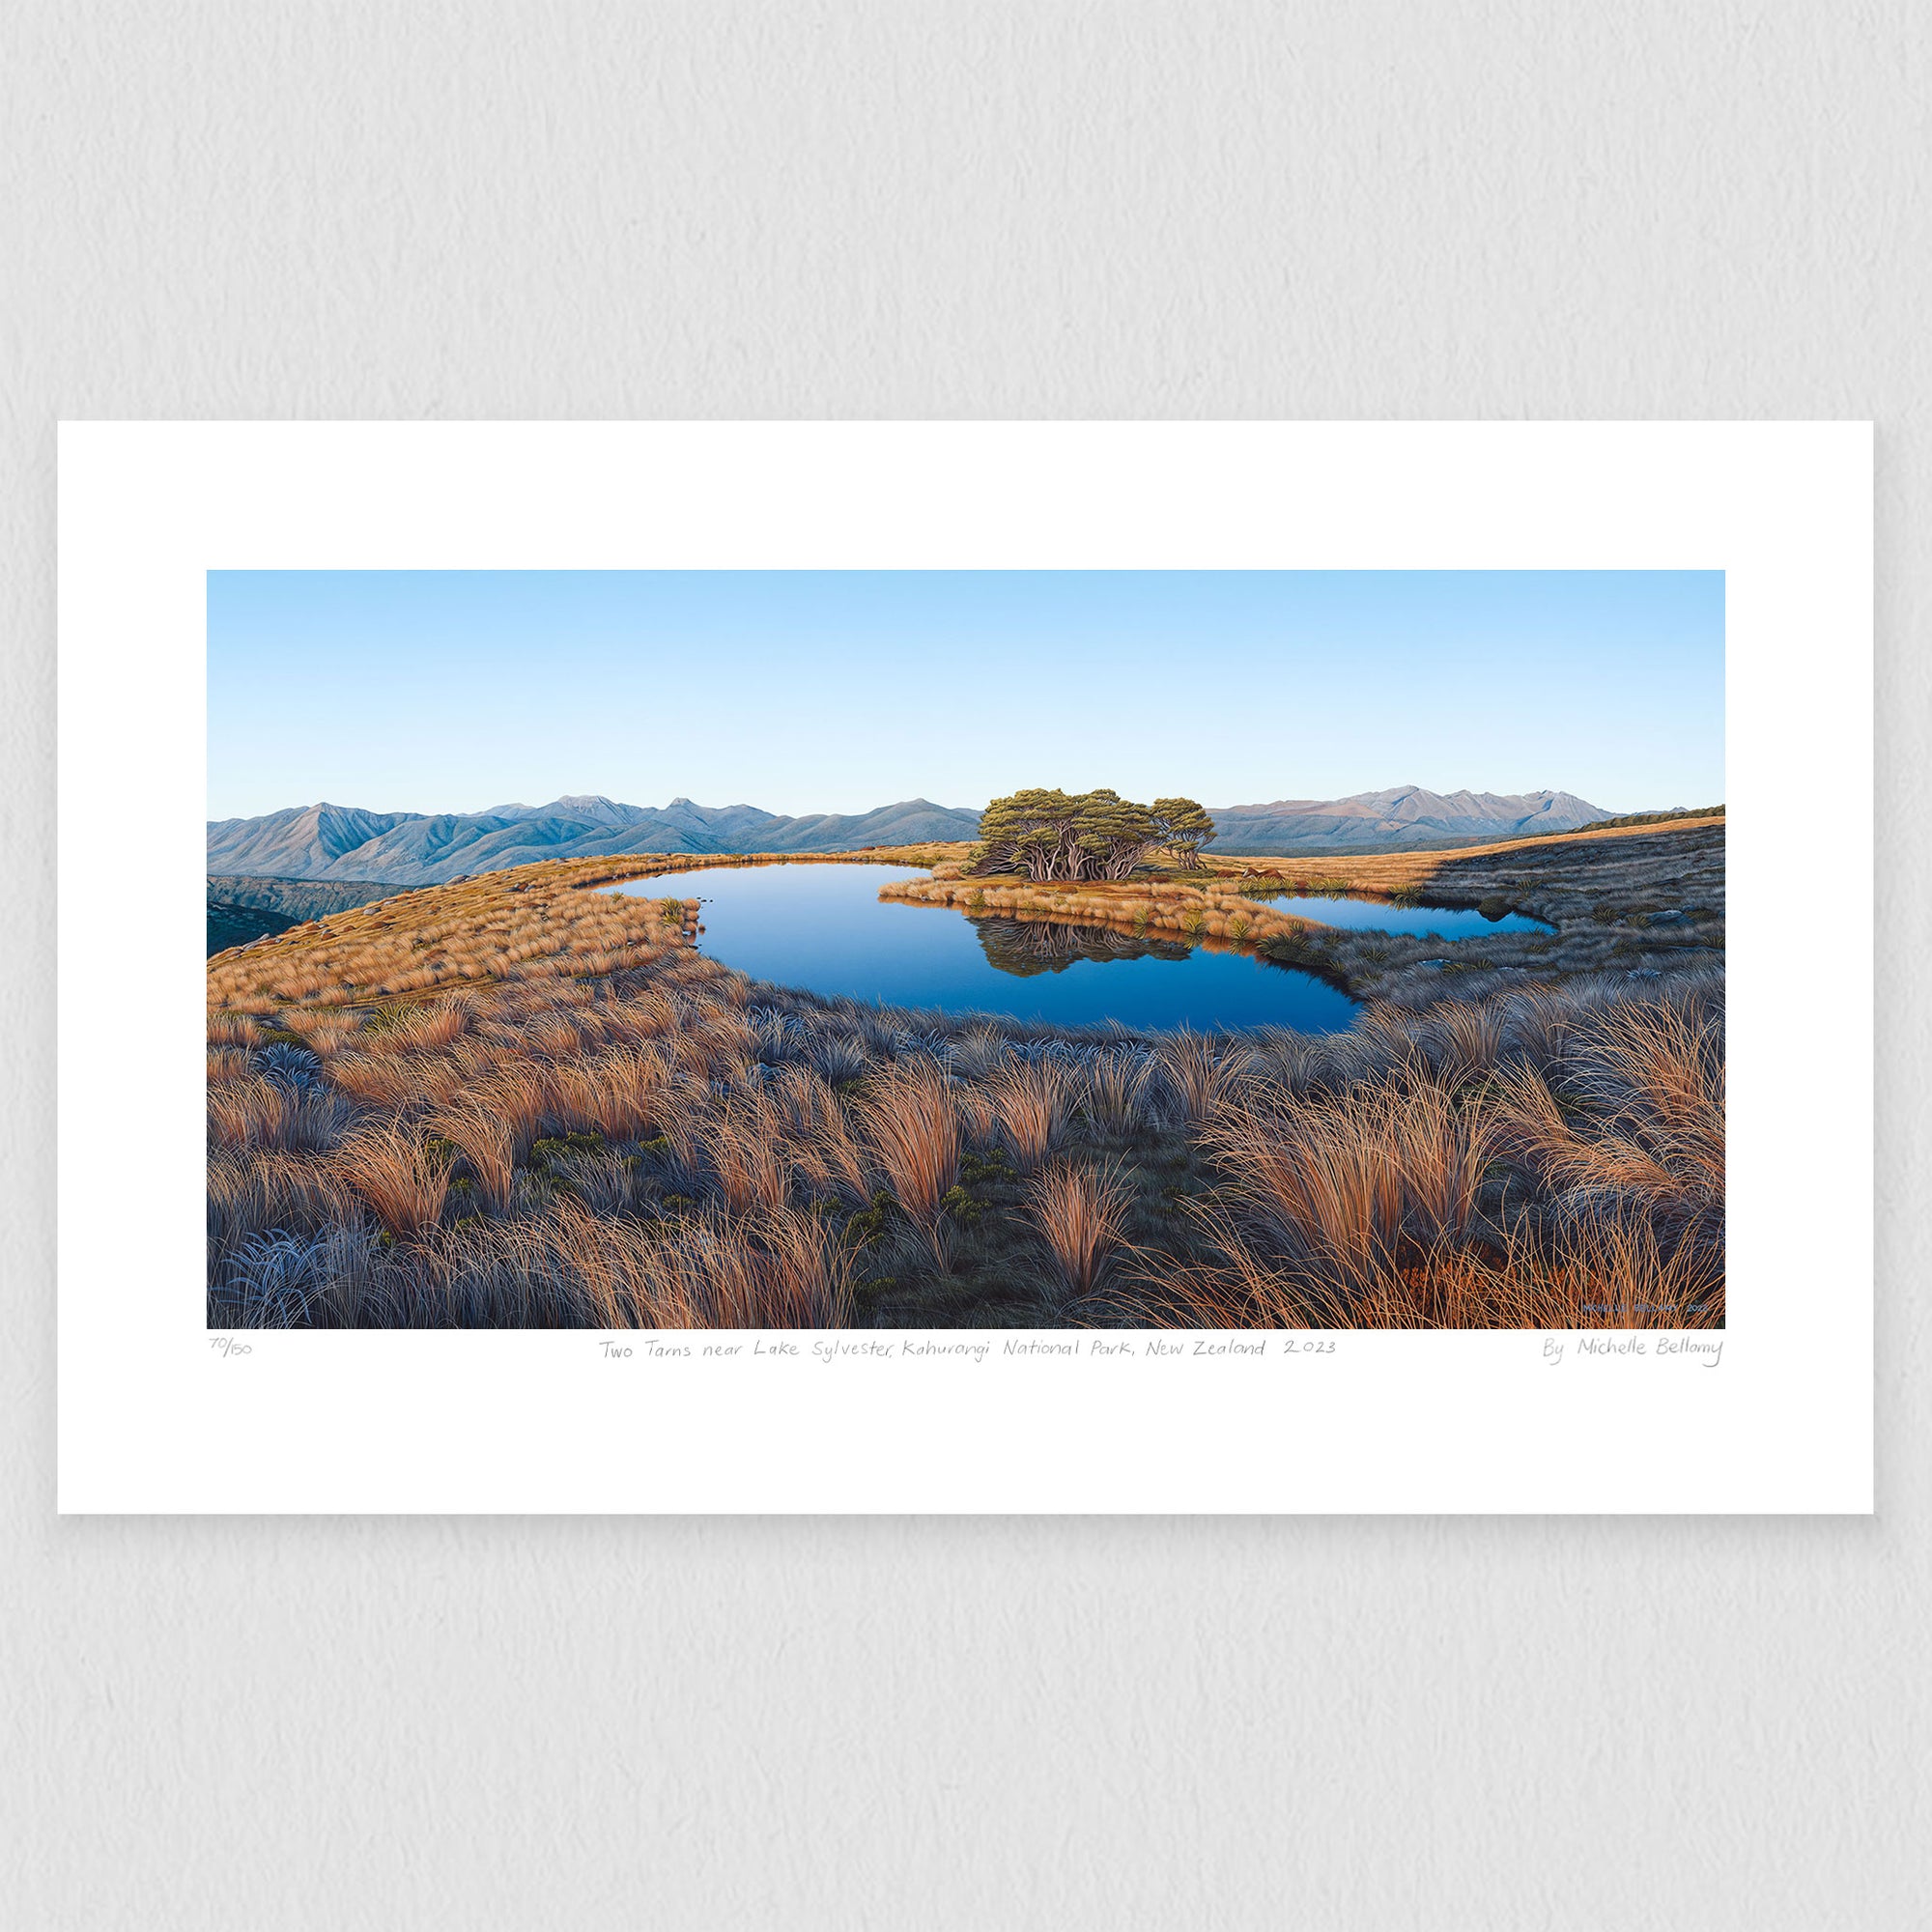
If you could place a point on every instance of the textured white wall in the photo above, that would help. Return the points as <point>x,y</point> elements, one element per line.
<point>1354,209</point>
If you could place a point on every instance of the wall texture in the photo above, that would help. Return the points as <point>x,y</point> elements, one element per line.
<point>1346,208</point>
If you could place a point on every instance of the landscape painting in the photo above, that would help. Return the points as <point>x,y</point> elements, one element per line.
<point>953,949</point>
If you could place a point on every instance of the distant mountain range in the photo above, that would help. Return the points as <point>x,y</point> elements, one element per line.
<point>1405,815</point>
<point>412,848</point>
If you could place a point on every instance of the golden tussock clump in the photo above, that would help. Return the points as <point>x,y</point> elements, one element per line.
<point>1081,1212</point>
<point>1030,1104</point>
<point>909,1119</point>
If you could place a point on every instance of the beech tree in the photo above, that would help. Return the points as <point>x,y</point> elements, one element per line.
<point>1088,834</point>
<point>1114,834</point>
<point>1036,832</point>
<point>1184,828</point>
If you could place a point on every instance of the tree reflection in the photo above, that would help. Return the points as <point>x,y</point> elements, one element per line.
<point>1031,945</point>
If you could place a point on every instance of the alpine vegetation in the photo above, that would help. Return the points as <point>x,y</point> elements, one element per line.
<point>516,1102</point>
<point>1089,835</point>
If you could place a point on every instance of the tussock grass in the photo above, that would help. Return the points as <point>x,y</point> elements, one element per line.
<point>1585,1193</point>
<point>1081,1214</point>
<point>1030,1104</point>
<point>615,1094</point>
<point>253,1112</point>
<point>489,1147</point>
<point>413,1028</point>
<point>578,1268</point>
<point>401,1180</point>
<point>578,1120</point>
<point>1198,1072</point>
<point>322,1031</point>
<point>978,1053</point>
<point>262,1192</point>
<point>1113,1092</point>
<point>1345,1190</point>
<point>749,1153</point>
<point>910,1123</point>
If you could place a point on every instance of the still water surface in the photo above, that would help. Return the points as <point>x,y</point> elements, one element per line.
<point>825,928</point>
<point>1379,915</point>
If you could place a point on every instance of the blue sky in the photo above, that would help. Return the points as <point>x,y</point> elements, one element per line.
<point>837,690</point>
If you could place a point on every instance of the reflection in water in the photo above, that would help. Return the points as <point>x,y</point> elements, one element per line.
<point>1026,947</point>
<point>823,927</point>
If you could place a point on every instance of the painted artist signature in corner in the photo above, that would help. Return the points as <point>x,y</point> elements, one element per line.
<point>1706,1350</point>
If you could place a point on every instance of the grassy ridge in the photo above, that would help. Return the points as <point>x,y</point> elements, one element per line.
<point>242,908</point>
<point>513,1101</point>
<point>1415,871</point>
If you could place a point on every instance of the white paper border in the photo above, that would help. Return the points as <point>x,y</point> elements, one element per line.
<point>153,1419</point>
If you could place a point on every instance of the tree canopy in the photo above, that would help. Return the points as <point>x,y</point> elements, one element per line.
<point>1182,826</point>
<point>1088,834</point>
